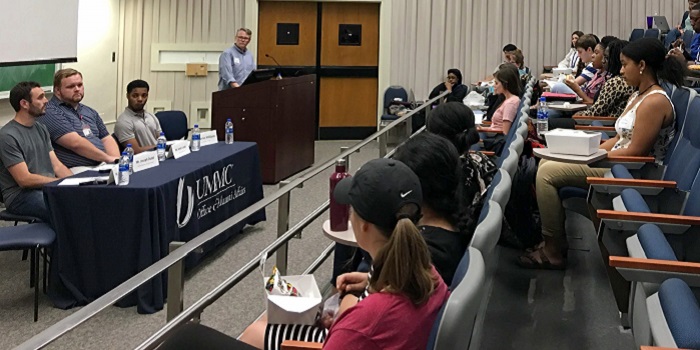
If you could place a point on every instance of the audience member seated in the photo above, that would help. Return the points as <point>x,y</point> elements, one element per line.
<point>517,59</point>
<point>692,56</point>
<point>590,89</point>
<point>455,122</point>
<point>401,297</point>
<point>571,59</point>
<point>613,96</point>
<point>506,49</point>
<point>685,25</point>
<point>585,46</point>
<point>645,128</point>
<point>78,134</point>
<point>135,125</point>
<point>458,91</point>
<point>27,159</point>
<point>445,224</point>
<point>506,83</point>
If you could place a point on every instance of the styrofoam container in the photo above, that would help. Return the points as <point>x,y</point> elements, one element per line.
<point>576,142</point>
<point>296,310</point>
<point>558,71</point>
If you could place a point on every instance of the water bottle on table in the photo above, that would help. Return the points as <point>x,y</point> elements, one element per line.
<point>229,131</point>
<point>123,169</point>
<point>160,147</point>
<point>195,138</point>
<point>542,117</point>
<point>340,213</point>
<point>130,152</point>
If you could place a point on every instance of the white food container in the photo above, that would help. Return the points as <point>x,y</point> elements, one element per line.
<point>575,142</point>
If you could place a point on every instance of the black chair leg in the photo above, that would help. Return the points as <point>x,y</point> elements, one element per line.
<point>46,266</point>
<point>32,275</point>
<point>35,270</point>
<point>25,254</point>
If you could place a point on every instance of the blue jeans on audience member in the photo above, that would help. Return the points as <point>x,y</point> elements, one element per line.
<point>30,203</point>
<point>561,88</point>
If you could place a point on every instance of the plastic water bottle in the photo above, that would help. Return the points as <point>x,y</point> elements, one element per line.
<point>229,131</point>
<point>542,117</point>
<point>160,147</point>
<point>130,152</point>
<point>195,138</point>
<point>340,213</point>
<point>124,169</point>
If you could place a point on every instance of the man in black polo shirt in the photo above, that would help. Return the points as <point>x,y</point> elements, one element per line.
<point>27,158</point>
<point>79,135</point>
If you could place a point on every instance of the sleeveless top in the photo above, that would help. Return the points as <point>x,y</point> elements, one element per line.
<point>625,128</point>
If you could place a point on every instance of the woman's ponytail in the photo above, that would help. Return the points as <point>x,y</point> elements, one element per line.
<point>672,71</point>
<point>403,264</point>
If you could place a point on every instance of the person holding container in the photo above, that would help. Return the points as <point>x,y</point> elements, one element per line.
<point>645,128</point>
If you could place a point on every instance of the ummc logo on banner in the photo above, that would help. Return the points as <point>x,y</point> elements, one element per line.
<point>214,191</point>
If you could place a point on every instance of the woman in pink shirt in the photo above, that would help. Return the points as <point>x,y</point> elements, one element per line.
<point>506,82</point>
<point>400,298</point>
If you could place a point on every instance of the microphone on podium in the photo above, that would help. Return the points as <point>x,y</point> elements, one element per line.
<point>279,69</point>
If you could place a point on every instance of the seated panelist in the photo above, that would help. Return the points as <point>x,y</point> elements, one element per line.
<point>77,131</point>
<point>27,158</point>
<point>135,125</point>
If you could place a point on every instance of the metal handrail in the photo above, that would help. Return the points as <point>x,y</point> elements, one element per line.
<point>60,328</point>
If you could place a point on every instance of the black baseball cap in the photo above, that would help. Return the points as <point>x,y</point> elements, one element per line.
<point>379,189</point>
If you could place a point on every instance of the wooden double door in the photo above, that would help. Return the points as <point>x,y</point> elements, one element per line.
<point>337,41</point>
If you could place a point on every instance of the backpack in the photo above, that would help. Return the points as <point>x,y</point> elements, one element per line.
<point>522,226</point>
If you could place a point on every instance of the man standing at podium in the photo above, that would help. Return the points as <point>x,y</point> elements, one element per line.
<point>236,63</point>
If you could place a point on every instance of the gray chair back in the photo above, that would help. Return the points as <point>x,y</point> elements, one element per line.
<point>455,323</point>
<point>501,193</point>
<point>488,231</point>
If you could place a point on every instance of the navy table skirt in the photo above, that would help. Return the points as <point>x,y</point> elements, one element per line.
<point>106,234</point>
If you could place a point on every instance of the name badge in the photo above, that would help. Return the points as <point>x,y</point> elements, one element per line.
<point>625,123</point>
<point>180,149</point>
<point>208,138</point>
<point>145,160</point>
<point>236,60</point>
<point>86,130</point>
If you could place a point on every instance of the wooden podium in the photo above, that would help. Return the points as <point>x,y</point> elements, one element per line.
<point>279,115</point>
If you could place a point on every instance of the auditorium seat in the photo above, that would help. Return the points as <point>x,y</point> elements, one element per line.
<point>652,33</point>
<point>487,233</point>
<point>636,34</point>
<point>501,189</point>
<point>454,325</point>
<point>674,315</point>
<point>395,94</point>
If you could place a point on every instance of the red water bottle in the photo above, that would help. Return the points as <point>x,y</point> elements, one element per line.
<point>340,213</point>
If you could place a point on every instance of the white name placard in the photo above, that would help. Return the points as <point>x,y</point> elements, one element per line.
<point>208,138</point>
<point>145,160</point>
<point>180,149</point>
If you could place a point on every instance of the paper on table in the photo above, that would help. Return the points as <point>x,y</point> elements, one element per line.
<point>74,181</point>
<point>79,169</point>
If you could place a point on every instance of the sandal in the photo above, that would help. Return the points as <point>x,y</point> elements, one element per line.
<point>530,261</point>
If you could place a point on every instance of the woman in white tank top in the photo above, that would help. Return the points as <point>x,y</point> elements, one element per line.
<point>645,128</point>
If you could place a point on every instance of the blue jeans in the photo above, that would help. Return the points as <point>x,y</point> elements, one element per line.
<point>30,203</point>
<point>561,88</point>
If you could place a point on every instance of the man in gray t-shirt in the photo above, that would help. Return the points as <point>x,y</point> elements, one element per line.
<point>27,159</point>
<point>135,125</point>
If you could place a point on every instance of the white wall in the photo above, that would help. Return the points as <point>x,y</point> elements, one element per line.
<point>98,31</point>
